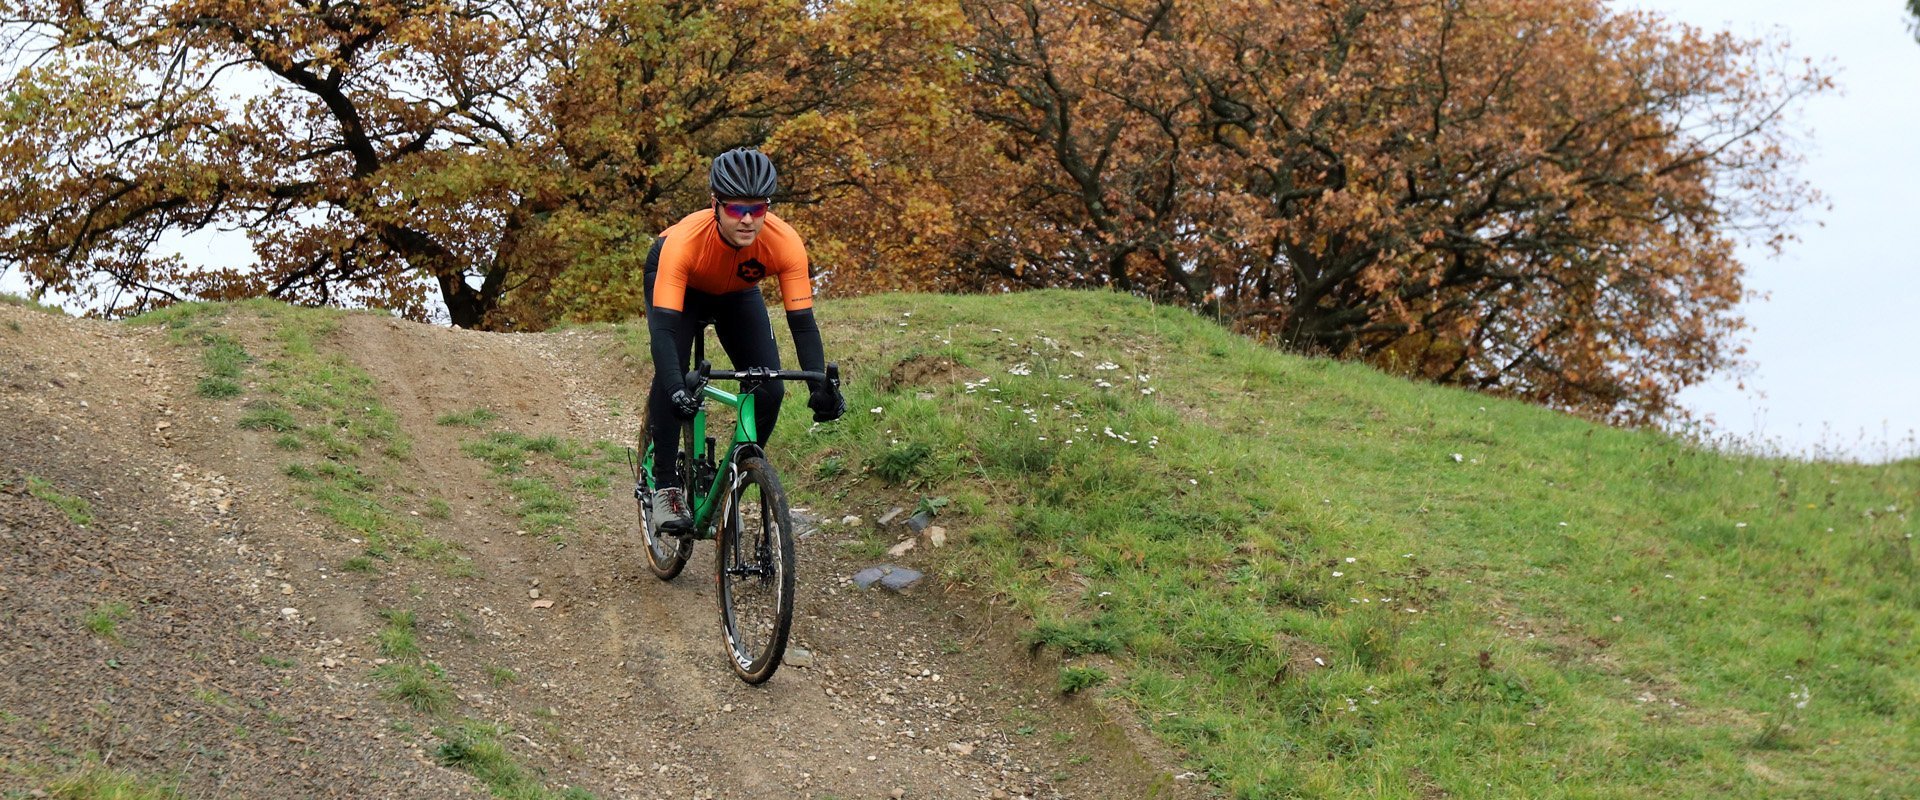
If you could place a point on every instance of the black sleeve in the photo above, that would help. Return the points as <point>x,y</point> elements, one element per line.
<point>806,340</point>
<point>667,371</point>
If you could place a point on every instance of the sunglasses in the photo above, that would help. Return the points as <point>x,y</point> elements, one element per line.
<point>738,210</point>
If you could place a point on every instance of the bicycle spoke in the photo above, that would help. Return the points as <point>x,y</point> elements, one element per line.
<point>756,573</point>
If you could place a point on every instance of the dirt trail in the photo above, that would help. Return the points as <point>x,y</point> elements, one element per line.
<point>242,664</point>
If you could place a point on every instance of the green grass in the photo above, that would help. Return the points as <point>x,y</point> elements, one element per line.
<point>226,364</point>
<point>105,618</point>
<point>1295,580</point>
<point>11,299</point>
<point>77,509</point>
<point>396,639</point>
<point>531,470</point>
<point>267,416</point>
<point>95,782</point>
<point>476,748</point>
<point>1074,679</point>
<point>439,509</point>
<point>418,686</point>
<point>472,418</point>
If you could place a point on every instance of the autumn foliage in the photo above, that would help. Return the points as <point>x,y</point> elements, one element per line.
<point>1541,198</point>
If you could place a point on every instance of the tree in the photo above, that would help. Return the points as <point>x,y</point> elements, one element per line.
<point>514,158</point>
<point>368,151</point>
<point>850,98</point>
<point>1538,198</point>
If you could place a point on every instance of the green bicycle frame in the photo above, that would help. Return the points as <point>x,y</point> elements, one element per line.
<point>706,505</point>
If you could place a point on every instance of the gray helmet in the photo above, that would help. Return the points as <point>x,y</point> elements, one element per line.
<point>742,172</point>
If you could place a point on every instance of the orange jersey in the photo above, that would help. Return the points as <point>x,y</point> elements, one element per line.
<point>694,257</point>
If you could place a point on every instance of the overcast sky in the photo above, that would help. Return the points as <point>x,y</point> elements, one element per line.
<point>1836,345</point>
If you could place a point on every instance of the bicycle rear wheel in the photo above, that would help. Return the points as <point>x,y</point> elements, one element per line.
<point>755,564</point>
<point>666,555</point>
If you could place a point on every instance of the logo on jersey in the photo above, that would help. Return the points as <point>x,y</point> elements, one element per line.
<point>751,270</point>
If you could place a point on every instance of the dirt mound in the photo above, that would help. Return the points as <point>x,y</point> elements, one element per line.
<point>182,598</point>
<point>927,371</point>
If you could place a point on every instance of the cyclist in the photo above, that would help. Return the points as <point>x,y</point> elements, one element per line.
<point>708,266</point>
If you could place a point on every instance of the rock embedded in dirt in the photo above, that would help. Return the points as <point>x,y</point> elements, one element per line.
<point>900,548</point>
<point>900,579</point>
<point>866,578</point>
<point>798,657</point>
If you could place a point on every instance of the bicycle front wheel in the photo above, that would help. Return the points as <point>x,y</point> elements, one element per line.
<point>666,555</point>
<point>755,564</point>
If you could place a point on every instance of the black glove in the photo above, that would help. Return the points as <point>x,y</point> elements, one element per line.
<point>685,403</point>
<point>826,401</point>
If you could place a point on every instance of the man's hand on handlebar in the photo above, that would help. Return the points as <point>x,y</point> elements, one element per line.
<point>824,397</point>
<point>686,402</point>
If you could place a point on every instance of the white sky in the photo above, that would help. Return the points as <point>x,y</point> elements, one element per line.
<point>1835,344</point>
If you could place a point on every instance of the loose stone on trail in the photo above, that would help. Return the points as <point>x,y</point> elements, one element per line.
<point>900,578</point>
<point>887,575</point>
<point>919,522</point>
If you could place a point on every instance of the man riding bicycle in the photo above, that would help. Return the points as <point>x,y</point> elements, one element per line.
<point>708,266</point>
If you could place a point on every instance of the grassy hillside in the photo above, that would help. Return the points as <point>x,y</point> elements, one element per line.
<point>1320,581</point>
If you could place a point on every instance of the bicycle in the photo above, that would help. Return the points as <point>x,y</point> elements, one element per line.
<point>745,514</point>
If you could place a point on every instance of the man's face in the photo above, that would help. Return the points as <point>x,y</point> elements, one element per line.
<point>740,218</point>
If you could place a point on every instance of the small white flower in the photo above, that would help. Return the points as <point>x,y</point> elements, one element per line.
<point>1339,574</point>
<point>878,410</point>
<point>1563,524</point>
<point>1739,524</point>
<point>1192,481</point>
<point>1351,559</point>
<point>1106,365</point>
<point>1106,594</point>
<point>1457,458</point>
